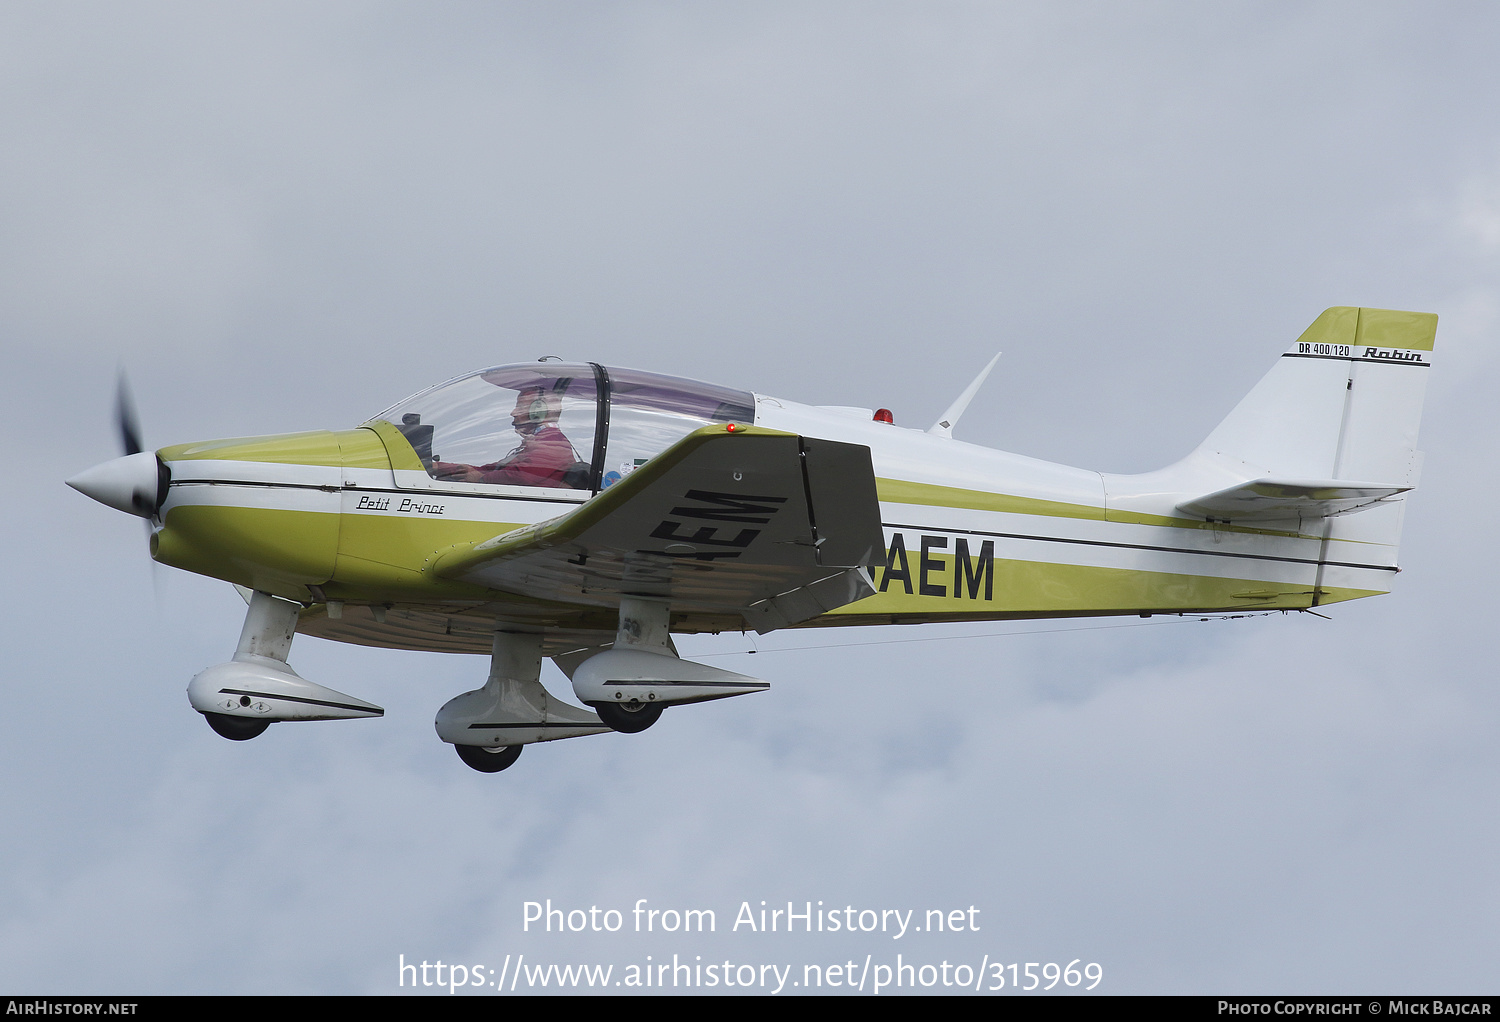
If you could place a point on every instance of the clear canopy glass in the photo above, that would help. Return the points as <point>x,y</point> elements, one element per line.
<point>541,424</point>
<point>649,413</point>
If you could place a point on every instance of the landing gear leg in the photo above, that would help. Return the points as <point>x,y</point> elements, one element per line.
<point>644,624</point>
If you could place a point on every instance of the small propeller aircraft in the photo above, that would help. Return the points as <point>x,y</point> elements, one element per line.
<point>586,513</point>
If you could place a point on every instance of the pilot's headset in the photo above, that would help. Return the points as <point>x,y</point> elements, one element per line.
<point>538,407</point>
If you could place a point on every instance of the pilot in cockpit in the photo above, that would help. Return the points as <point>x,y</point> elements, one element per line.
<point>544,458</point>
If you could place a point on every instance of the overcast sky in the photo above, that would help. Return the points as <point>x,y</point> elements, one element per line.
<point>288,216</point>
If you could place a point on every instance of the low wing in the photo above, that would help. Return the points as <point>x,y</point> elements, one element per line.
<point>1270,499</point>
<point>773,526</point>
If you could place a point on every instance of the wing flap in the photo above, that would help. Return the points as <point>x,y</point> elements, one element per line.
<point>845,507</point>
<point>807,602</point>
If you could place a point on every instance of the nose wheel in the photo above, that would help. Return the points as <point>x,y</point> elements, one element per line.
<point>629,718</point>
<point>489,761</point>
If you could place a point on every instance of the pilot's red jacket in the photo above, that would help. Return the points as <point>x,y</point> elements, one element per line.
<point>543,459</point>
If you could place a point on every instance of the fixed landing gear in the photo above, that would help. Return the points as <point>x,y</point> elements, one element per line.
<point>489,761</point>
<point>236,729</point>
<point>629,718</point>
<point>629,683</point>
<point>241,698</point>
<point>489,726</point>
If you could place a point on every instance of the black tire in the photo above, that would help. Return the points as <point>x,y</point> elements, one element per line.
<point>489,761</point>
<point>629,718</point>
<point>236,729</point>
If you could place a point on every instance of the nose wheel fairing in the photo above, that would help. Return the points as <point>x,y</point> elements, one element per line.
<point>258,686</point>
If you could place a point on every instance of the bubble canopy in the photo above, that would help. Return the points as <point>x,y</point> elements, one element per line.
<point>554,425</point>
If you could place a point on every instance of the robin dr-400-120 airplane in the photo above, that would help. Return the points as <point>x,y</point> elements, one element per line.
<point>633,505</point>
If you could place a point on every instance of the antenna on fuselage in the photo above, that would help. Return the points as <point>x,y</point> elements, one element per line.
<point>944,426</point>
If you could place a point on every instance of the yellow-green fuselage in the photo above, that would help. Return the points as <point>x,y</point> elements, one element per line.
<point>324,519</point>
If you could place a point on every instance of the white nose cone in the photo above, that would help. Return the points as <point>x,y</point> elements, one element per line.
<point>126,484</point>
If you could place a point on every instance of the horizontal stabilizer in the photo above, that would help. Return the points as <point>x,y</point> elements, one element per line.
<point>1281,499</point>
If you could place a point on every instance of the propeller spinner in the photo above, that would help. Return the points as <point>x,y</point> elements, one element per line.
<point>137,483</point>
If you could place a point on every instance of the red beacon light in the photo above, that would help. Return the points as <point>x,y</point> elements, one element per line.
<point>884,415</point>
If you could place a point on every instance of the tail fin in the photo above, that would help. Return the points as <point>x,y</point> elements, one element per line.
<point>1331,430</point>
<point>1325,443</point>
<point>1343,403</point>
